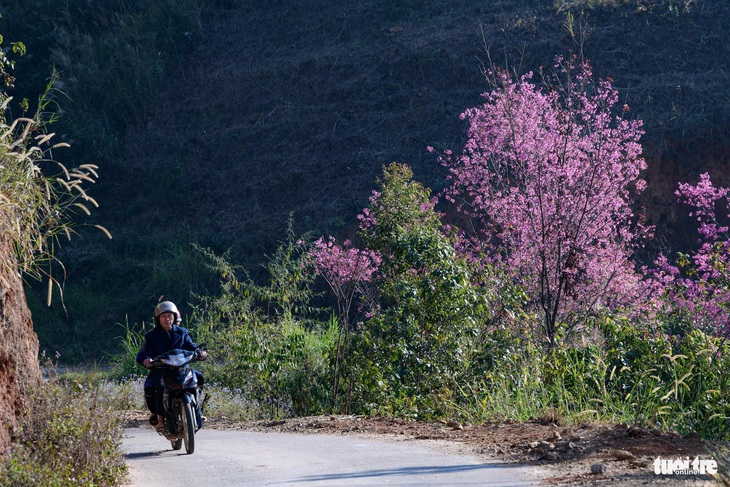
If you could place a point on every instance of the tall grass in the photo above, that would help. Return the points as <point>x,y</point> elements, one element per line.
<point>645,381</point>
<point>124,364</point>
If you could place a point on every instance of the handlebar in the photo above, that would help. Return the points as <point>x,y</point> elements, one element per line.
<point>178,357</point>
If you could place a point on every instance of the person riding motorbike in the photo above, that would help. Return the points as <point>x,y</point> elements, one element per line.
<point>165,336</point>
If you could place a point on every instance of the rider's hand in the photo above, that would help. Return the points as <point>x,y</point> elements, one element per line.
<point>202,355</point>
<point>147,362</point>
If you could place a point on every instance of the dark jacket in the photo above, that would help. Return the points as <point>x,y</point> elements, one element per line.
<point>159,341</point>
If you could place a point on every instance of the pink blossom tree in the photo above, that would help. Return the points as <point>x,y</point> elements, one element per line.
<point>549,173</point>
<point>346,270</point>
<point>698,284</point>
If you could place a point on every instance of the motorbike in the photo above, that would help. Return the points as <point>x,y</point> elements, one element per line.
<point>181,397</point>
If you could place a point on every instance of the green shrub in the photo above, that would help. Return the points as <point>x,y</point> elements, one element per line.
<point>234,404</point>
<point>417,341</point>
<point>70,438</point>
<point>261,337</point>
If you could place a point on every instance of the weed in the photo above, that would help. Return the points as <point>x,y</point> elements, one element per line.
<point>124,364</point>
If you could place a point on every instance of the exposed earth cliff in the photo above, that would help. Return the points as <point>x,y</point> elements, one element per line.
<point>19,369</point>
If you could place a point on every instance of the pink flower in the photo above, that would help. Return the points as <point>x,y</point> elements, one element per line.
<point>549,176</point>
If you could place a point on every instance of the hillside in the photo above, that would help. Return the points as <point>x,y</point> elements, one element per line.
<point>283,109</point>
<point>294,108</point>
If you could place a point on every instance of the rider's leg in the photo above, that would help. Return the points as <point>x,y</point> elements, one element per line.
<point>149,397</point>
<point>159,407</point>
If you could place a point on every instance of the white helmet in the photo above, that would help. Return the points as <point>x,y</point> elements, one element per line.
<point>167,307</point>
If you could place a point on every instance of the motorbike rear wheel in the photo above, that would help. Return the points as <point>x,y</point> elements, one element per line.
<point>189,429</point>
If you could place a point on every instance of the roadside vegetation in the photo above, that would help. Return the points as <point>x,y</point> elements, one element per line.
<point>71,435</point>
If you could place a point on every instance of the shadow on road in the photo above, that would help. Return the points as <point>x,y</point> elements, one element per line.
<point>403,471</point>
<point>144,454</point>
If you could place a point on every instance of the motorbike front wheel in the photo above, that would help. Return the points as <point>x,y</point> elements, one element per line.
<point>189,428</point>
<point>176,421</point>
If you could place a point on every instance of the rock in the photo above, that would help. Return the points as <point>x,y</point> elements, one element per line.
<point>545,446</point>
<point>622,454</point>
<point>551,456</point>
<point>555,436</point>
<point>565,447</point>
<point>454,425</point>
<point>597,468</point>
<point>693,436</point>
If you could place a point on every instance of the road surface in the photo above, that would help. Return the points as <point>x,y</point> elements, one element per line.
<point>237,458</point>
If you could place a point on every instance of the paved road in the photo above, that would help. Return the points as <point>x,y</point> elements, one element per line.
<point>235,458</point>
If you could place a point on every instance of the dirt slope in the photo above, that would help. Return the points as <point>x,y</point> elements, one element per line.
<point>19,370</point>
